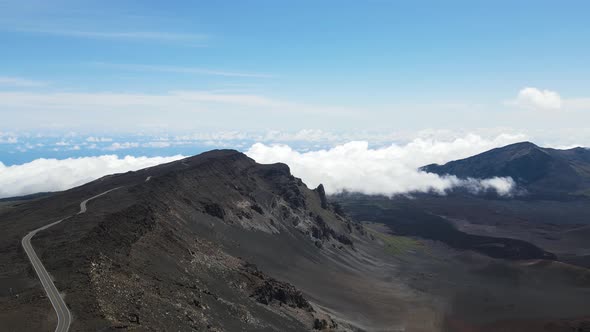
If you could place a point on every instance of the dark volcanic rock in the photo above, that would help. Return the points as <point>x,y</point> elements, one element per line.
<point>413,222</point>
<point>215,210</point>
<point>257,208</point>
<point>344,239</point>
<point>321,230</point>
<point>283,293</point>
<point>162,254</point>
<point>322,324</point>
<point>541,171</point>
<point>165,254</point>
<point>287,185</point>
<point>322,193</point>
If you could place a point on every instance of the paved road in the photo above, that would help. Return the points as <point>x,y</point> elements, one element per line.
<point>64,317</point>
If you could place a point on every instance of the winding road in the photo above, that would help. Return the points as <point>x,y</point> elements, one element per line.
<point>64,317</point>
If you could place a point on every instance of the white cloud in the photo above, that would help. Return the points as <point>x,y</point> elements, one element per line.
<point>98,139</point>
<point>182,70</point>
<point>156,144</point>
<point>182,108</point>
<point>94,101</point>
<point>120,146</point>
<point>353,166</point>
<point>582,104</point>
<point>8,140</point>
<point>52,175</point>
<point>195,39</point>
<point>389,170</point>
<point>375,137</point>
<point>220,135</point>
<point>305,135</point>
<point>501,185</point>
<point>533,98</point>
<point>243,99</point>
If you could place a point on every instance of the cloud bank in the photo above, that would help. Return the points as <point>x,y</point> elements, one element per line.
<point>43,175</point>
<point>353,166</point>
<point>389,170</point>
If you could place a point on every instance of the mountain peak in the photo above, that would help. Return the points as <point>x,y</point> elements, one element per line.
<point>539,170</point>
<point>198,227</point>
<point>217,154</point>
<point>521,145</point>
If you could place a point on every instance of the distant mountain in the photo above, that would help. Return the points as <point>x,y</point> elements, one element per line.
<point>25,197</point>
<point>541,171</point>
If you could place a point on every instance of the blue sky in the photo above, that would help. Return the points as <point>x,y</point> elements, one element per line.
<point>127,69</point>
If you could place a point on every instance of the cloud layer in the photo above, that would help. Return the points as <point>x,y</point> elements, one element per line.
<point>43,175</point>
<point>353,166</point>
<point>389,170</point>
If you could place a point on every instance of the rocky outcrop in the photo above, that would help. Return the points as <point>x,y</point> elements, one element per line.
<point>323,324</point>
<point>322,194</point>
<point>214,210</point>
<point>273,291</point>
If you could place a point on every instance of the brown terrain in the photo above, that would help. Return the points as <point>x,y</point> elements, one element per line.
<point>218,242</point>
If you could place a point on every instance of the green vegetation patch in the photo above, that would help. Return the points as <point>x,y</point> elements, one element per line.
<point>396,244</point>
